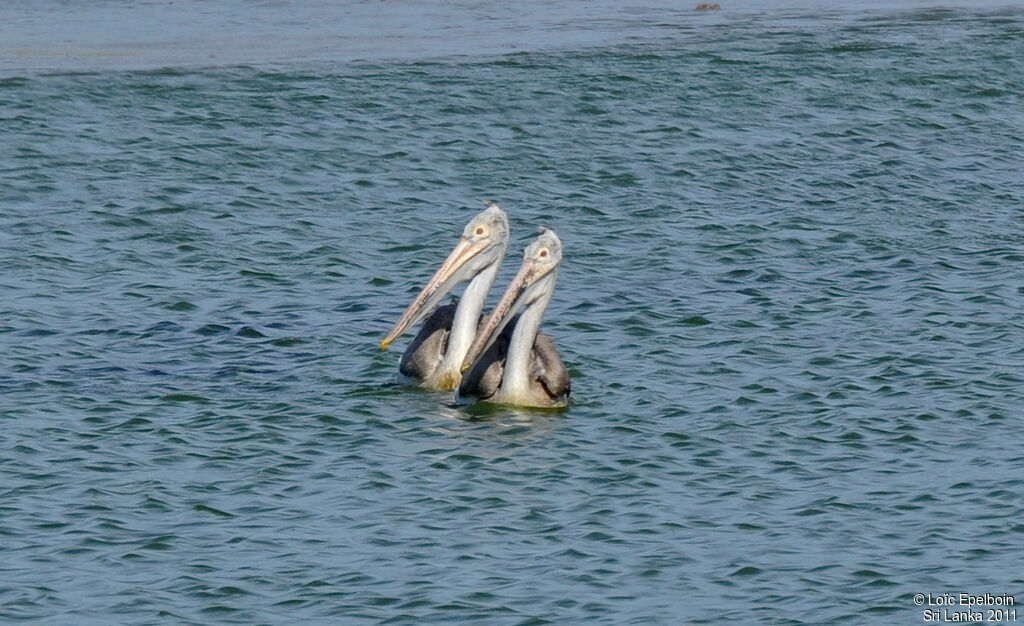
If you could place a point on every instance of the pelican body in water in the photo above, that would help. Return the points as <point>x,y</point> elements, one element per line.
<point>434,358</point>
<point>524,368</point>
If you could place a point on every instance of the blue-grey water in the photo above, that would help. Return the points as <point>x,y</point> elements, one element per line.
<point>792,303</point>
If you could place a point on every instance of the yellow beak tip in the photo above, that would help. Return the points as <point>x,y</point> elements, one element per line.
<point>384,345</point>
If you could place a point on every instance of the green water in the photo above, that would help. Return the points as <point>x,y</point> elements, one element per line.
<point>791,303</point>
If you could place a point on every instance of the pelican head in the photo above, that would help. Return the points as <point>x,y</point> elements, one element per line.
<point>535,281</point>
<point>483,243</point>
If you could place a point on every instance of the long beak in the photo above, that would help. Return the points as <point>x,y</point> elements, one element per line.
<point>436,289</point>
<point>503,313</point>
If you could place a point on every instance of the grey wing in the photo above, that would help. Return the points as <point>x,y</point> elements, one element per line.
<point>427,349</point>
<point>549,369</point>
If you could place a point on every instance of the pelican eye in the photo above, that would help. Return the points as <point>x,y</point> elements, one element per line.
<point>480,230</point>
<point>543,253</point>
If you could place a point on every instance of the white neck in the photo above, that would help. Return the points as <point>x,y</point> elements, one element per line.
<point>467,318</point>
<point>516,381</point>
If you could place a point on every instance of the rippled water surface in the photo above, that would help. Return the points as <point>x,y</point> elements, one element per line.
<point>791,303</point>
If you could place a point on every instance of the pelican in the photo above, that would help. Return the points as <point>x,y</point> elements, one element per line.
<point>434,358</point>
<point>523,369</point>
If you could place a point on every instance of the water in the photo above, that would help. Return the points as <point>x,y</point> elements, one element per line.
<point>791,304</point>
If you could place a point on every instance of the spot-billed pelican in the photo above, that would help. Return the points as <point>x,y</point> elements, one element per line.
<point>434,358</point>
<point>524,369</point>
